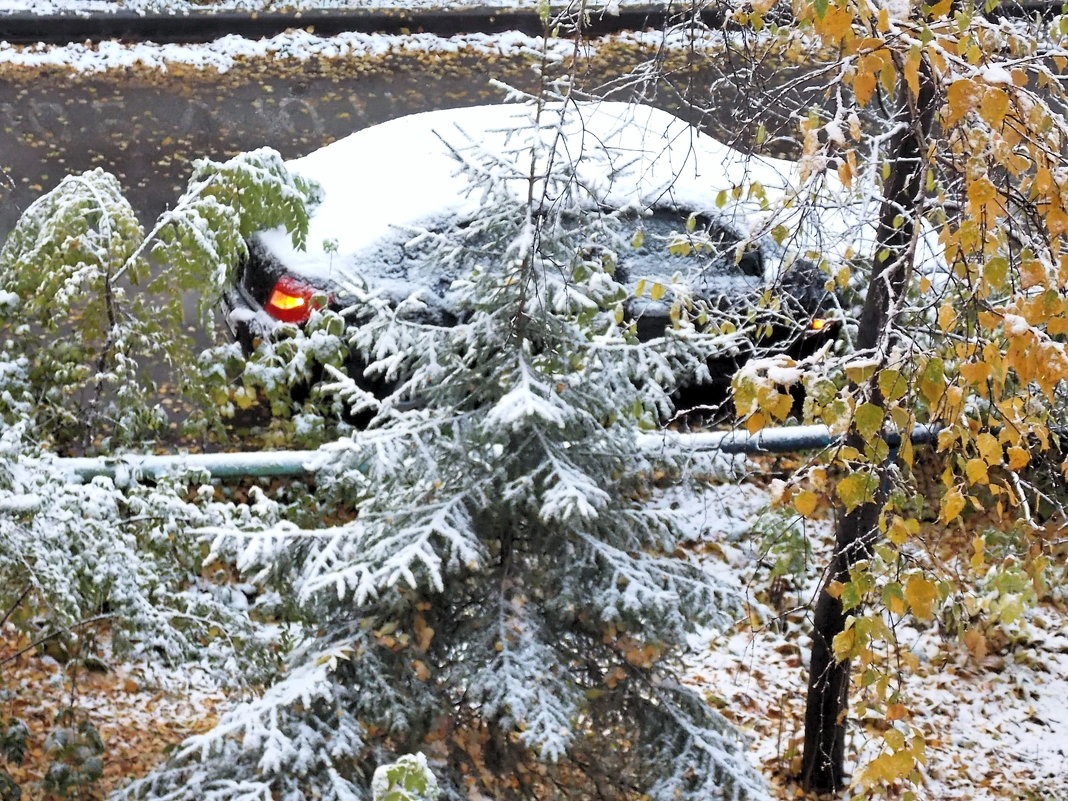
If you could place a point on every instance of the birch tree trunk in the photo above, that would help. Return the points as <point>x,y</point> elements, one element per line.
<point>823,763</point>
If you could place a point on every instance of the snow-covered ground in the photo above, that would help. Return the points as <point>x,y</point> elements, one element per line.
<point>182,6</point>
<point>222,54</point>
<point>139,710</point>
<point>996,727</point>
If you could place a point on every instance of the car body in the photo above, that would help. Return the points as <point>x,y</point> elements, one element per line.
<point>696,219</point>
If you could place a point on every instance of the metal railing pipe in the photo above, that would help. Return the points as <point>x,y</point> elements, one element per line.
<point>260,464</point>
<point>785,439</point>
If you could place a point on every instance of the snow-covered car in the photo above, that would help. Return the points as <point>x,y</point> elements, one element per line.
<point>685,202</point>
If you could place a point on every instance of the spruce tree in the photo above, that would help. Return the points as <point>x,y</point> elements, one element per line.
<point>505,600</point>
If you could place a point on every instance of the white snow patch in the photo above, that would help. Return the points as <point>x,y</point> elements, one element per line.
<point>997,74</point>
<point>778,370</point>
<point>834,132</point>
<point>1015,325</point>
<point>898,9</point>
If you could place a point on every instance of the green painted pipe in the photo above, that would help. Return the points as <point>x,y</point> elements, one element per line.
<point>261,464</point>
<point>258,464</point>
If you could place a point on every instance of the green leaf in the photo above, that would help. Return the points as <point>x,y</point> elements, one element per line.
<point>681,247</point>
<point>996,271</point>
<point>868,420</point>
<point>407,779</point>
<point>935,370</point>
<point>892,384</point>
<point>851,596</point>
<point>856,489</point>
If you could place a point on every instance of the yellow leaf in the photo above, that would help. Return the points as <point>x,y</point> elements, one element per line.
<point>837,23</point>
<point>947,437</point>
<point>896,604</point>
<point>860,371</point>
<point>868,419</point>
<point>912,71</point>
<point>952,505</point>
<point>755,422</point>
<point>864,86</point>
<point>907,452</point>
<point>842,644</point>
<point>1032,274</point>
<point>845,174</point>
<point>423,633</point>
<point>961,97</point>
<point>883,25</point>
<point>975,642</point>
<point>989,447</point>
<point>243,398</point>
<point>894,738</point>
<point>892,384</point>
<point>422,672</point>
<point>898,532</point>
<point>979,556</point>
<point>981,193</point>
<point>657,291</point>
<point>1018,458</point>
<point>994,106</point>
<point>921,595</point>
<point>888,77</point>
<point>856,488</point>
<point>975,372</point>
<point>887,768</point>
<point>946,317</point>
<point>805,503</point>
<point>897,712</point>
<point>975,469</point>
<point>781,405</point>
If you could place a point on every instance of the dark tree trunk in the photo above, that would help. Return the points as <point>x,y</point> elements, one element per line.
<point>823,763</point>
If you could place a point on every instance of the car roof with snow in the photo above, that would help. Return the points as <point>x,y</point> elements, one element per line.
<point>385,185</point>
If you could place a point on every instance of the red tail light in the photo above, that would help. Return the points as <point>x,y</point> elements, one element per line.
<point>291,301</point>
